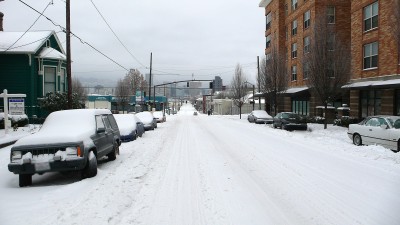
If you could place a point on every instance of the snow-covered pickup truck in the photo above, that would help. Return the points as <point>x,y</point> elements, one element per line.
<point>69,140</point>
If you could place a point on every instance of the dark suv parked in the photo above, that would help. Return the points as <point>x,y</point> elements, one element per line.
<point>69,140</point>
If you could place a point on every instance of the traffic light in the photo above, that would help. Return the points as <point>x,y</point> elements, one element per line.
<point>211,84</point>
<point>187,84</point>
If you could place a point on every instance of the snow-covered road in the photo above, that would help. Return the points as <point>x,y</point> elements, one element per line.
<point>218,170</point>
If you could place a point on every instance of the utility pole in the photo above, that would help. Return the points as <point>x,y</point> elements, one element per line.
<point>151,62</point>
<point>259,85</point>
<point>68,33</point>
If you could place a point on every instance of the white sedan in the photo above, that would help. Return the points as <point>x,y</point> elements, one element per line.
<point>380,130</point>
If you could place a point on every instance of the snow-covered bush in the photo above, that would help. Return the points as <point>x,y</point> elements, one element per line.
<point>16,120</point>
<point>345,121</point>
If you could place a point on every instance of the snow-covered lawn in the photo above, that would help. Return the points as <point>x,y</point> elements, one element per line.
<point>218,170</point>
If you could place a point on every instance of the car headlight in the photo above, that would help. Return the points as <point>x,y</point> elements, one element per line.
<point>74,151</point>
<point>15,155</point>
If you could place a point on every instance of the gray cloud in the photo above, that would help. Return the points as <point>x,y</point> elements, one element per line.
<point>207,37</point>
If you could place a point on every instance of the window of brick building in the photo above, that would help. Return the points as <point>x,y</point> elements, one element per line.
<point>268,41</point>
<point>268,56</point>
<point>371,55</point>
<point>286,33</point>
<point>307,44</point>
<point>397,103</point>
<point>306,70</point>
<point>294,50</point>
<point>300,106</point>
<point>371,16</point>
<point>371,101</point>
<point>268,23</point>
<point>294,27</point>
<point>294,5</point>
<point>331,14</point>
<point>307,19</point>
<point>286,9</point>
<point>294,73</point>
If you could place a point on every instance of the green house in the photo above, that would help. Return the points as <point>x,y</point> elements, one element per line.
<point>32,63</point>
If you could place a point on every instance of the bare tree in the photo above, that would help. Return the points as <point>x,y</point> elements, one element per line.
<point>135,80</point>
<point>122,93</point>
<point>79,90</point>
<point>273,78</point>
<point>238,88</point>
<point>328,63</point>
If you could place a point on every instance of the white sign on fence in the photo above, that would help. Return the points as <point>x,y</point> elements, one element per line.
<point>16,106</point>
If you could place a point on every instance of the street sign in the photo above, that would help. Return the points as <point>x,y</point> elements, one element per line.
<point>138,96</point>
<point>16,106</point>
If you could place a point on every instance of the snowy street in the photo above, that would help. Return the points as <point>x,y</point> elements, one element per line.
<point>213,170</point>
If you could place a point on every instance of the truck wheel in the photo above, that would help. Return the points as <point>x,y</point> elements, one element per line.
<point>90,169</point>
<point>25,180</point>
<point>113,155</point>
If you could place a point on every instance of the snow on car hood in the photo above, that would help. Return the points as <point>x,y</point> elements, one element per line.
<point>63,126</point>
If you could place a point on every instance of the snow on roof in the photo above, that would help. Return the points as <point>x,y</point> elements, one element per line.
<point>30,42</point>
<point>295,90</point>
<point>372,83</point>
<point>51,53</point>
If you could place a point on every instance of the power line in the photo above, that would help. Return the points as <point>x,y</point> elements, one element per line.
<point>82,41</point>
<point>116,35</point>
<point>50,3</point>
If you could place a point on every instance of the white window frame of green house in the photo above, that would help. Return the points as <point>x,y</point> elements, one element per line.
<point>371,16</point>
<point>268,41</point>
<point>294,27</point>
<point>268,21</point>
<point>307,19</point>
<point>294,73</point>
<point>370,59</point>
<point>294,5</point>
<point>294,50</point>
<point>330,13</point>
<point>49,79</point>
<point>62,80</point>
<point>306,44</point>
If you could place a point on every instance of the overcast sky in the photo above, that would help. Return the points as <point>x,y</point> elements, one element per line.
<point>206,38</point>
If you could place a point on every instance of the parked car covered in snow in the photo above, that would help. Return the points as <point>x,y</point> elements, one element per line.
<point>147,118</point>
<point>127,126</point>
<point>259,116</point>
<point>160,116</point>
<point>289,121</point>
<point>380,130</point>
<point>69,140</point>
<point>139,126</point>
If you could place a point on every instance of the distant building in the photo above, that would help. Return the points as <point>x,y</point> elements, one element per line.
<point>217,86</point>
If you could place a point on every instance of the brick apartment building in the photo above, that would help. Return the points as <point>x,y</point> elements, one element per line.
<point>375,67</point>
<point>289,28</point>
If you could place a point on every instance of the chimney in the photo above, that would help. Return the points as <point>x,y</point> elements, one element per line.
<point>1,21</point>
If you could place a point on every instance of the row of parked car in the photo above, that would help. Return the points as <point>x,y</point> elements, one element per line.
<point>283,120</point>
<point>381,130</point>
<point>74,140</point>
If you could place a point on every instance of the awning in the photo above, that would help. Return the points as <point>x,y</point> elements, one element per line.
<point>377,83</point>
<point>295,90</point>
